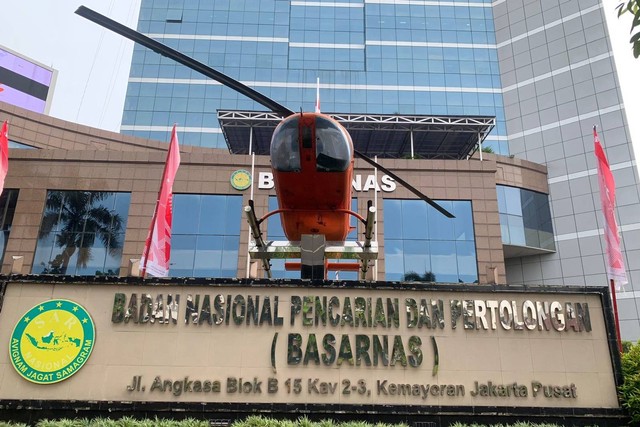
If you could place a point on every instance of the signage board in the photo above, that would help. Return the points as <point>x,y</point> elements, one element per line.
<point>25,83</point>
<point>437,346</point>
<point>359,183</point>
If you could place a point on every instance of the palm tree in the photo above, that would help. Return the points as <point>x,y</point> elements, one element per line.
<point>77,218</point>
<point>412,276</point>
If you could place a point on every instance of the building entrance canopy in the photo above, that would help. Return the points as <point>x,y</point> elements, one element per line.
<point>385,136</point>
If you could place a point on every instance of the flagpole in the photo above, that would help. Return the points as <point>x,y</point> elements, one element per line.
<point>154,218</point>
<point>615,314</point>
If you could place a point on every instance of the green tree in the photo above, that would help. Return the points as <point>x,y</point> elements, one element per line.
<point>487,149</point>
<point>412,276</point>
<point>630,388</point>
<point>632,7</point>
<point>77,218</point>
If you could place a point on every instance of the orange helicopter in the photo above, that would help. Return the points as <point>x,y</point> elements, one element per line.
<point>307,149</point>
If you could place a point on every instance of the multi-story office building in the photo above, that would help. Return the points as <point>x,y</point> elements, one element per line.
<point>79,203</point>
<point>544,69</point>
<point>422,85</point>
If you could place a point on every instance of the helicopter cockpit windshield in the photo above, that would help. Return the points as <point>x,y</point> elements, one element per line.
<point>333,151</point>
<point>285,152</point>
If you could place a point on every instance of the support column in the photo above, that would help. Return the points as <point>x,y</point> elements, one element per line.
<point>312,256</point>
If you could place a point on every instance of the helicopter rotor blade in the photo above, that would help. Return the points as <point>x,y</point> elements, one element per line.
<point>405,184</point>
<point>250,93</point>
<point>183,59</point>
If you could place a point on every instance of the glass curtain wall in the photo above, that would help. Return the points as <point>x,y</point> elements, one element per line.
<point>421,244</point>
<point>8,201</point>
<point>275,232</point>
<point>525,218</point>
<point>82,233</point>
<point>378,57</point>
<point>205,237</point>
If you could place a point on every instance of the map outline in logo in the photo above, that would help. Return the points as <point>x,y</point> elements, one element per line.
<point>52,341</point>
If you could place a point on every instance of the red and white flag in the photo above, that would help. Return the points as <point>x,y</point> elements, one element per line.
<point>615,263</point>
<point>4,154</point>
<point>157,249</point>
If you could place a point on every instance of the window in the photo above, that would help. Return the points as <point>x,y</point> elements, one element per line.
<point>8,201</point>
<point>332,148</point>
<point>525,218</point>
<point>14,144</point>
<point>82,233</point>
<point>275,232</point>
<point>420,244</point>
<point>285,152</point>
<point>174,15</point>
<point>205,237</point>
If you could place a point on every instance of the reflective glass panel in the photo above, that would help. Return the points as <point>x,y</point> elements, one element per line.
<point>421,244</point>
<point>82,233</point>
<point>359,49</point>
<point>8,200</point>
<point>285,150</point>
<point>205,240</point>
<point>333,148</point>
<point>525,218</point>
<point>275,232</point>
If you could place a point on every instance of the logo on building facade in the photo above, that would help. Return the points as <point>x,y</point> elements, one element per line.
<point>52,341</point>
<point>241,179</point>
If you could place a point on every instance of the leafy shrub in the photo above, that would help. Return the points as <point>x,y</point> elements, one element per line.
<point>257,420</point>
<point>630,390</point>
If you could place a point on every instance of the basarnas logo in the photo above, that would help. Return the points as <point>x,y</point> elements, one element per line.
<point>241,179</point>
<point>52,341</point>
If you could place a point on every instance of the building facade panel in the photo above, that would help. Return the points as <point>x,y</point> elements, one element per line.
<point>585,93</point>
<point>84,166</point>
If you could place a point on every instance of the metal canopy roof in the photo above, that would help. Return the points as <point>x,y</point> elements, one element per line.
<point>386,136</point>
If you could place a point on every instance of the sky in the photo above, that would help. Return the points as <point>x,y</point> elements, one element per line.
<point>93,63</point>
<point>91,86</point>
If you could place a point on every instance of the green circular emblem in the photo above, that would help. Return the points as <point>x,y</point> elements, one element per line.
<point>241,179</point>
<point>52,341</point>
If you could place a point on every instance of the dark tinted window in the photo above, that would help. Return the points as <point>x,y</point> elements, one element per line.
<point>7,209</point>
<point>525,218</point>
<point>420,244</point>
<point>333,151</point>
<point>285,151</point>
<point>82,233</point>
<point>205,236</point>
<point>275,232</point>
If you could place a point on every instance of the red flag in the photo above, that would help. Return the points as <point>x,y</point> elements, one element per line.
<point>157,249</point>
<point>615,263</point>
<point>4,154</point>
